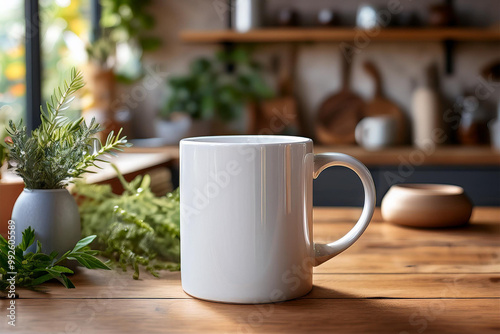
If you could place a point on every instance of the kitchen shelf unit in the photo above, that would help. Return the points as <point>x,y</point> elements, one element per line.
<point>448,36</point>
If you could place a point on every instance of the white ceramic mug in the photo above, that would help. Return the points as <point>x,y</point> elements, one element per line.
<point>246,216</point>
<point>376,132</point>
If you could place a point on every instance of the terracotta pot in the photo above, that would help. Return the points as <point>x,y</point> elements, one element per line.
<point>9,192</point>
<point>426,205</point>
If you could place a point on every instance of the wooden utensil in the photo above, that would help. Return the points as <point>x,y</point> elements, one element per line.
<point>280,114</point>
<point>382,106</point>
<point>339,113</point>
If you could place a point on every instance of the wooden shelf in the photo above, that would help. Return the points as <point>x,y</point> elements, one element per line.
<point>270,35</point>
<point>443,156</point>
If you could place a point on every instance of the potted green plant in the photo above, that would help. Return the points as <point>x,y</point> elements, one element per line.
<point>60,150</point>
<point>116,56</point>
<point>211,92</point>
<point>6,113</point>
<point>10,188</point>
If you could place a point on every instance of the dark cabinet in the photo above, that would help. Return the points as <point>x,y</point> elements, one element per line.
<point>339,186</point>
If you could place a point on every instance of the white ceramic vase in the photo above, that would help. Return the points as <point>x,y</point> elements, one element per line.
<point>53,214</point>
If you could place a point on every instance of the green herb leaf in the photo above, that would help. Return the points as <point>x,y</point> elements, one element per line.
<point>36,268</point>
<point>84,242</point>
<point>41,279</point>
<point>28,239</point>
<point>66,281</point>
<point>61,269</point>
<point>89,261</point>
<point>136,229</point>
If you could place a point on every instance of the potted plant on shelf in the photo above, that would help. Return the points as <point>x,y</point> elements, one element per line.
<point>210,94</point>
<point>115,56</point>
<point>60,150</point>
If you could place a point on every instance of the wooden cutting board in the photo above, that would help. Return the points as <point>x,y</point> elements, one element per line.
<point>380,105</point>
<point>339,113</point>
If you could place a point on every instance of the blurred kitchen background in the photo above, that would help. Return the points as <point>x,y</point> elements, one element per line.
<point>411,88</point>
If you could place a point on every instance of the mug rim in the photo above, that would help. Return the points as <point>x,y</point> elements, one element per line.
<point>246,140</point>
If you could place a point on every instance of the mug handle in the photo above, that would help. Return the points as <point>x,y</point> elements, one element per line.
<point>324,252</point>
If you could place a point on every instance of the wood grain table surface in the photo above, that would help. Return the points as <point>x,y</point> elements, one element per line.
<point>393,280</point>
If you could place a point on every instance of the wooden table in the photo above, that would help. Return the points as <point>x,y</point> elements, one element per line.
<point>393,280</point>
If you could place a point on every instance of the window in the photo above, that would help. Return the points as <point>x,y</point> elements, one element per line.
<point>12,63</point>
<point>64,35</point>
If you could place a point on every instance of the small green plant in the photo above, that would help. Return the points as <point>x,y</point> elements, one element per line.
<point>6,113</point>
<point>33,269</point>
<point>210,90</point>
<point>124,22</point>
<point>129,19</point>
<point>135,228</point>
<point>61,149</point>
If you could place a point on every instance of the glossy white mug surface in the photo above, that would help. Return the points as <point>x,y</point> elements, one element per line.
<point>246,216</point>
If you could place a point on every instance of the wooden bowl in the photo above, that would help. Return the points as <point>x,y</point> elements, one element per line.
<point>426,205</point>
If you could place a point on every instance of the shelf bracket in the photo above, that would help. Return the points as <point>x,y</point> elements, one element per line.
<point>449,48</point>
<point>229,46</point>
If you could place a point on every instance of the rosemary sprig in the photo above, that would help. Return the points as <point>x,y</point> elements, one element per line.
<point>60,149</point>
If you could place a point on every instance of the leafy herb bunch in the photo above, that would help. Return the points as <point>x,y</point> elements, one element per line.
<point>36,268</point>
<point>60,149</point>
<point>136,228</point>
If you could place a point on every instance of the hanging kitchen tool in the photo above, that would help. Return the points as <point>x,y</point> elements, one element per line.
<point>280,115</point>
<point>382,106</point>
<point>339,113</point>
